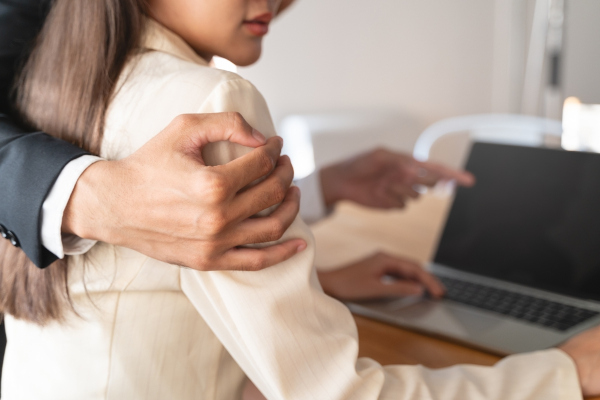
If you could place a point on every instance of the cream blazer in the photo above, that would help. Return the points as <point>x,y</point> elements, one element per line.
<point>150,330</point>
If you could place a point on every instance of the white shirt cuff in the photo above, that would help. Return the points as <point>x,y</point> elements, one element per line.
<point>312,205</point>
<point>54,208</point>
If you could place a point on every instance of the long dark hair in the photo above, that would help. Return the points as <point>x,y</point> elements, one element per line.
<point>64,89</point>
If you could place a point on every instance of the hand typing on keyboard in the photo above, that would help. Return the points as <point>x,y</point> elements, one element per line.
<point>380,275</point>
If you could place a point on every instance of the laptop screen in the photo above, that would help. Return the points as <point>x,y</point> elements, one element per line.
<point>532,218</point>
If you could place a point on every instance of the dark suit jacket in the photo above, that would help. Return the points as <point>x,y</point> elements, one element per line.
<point>30,162</point>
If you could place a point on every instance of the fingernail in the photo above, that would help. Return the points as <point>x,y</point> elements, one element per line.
<point>280,140</point>
<point>301,247</point>
<point>259,136</point>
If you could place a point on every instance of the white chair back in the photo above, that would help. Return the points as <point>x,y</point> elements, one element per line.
<point>315,140</point>
<point>515,129</point>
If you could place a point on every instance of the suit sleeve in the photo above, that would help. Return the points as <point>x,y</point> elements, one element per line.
<point>295,342</point>
<point>30,162</point>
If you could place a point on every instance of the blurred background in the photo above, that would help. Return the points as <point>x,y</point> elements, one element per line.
<point>401,65</point>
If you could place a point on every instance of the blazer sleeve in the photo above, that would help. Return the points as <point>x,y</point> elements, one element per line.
<point>30,162</point>
<point>295,342</point>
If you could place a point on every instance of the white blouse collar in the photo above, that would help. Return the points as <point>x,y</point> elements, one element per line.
<point>159,38</point>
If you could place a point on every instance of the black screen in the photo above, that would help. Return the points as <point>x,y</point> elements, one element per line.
<point>533,218</point>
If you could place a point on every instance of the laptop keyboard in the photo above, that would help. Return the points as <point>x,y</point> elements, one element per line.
<point>535,310</point>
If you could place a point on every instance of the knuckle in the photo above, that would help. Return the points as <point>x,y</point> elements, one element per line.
<point>216,222</point>
<point>201,263</point>
<point>271,232</point>
<point>183,120</point>
<point>278,228</point>
<point>280,189</point>
<point>257,263</point>
<point>264,160</point>
<point>215,188</point>
<point>236,119</point>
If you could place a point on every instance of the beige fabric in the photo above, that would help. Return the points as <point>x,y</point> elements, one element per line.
<point>149,330</point>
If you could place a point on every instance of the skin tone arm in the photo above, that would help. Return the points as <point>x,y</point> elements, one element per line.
<point>380,275</point>
<point>384,179</point>
<point>163,201</point>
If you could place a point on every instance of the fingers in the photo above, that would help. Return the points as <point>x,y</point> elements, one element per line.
<point>433,286</point>
<point>267,193</point>
<point>271,228</point>
<point>258,163</point>
<point>196,130</point>
<point>407,269</point>
<point>437,172</point>
<point>243,259</point>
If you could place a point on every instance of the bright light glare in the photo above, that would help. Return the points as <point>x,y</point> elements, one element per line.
<point>581,125</point>
<point>224,64</point>
<point>297,144</point>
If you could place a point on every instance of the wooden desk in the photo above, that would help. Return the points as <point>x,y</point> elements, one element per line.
<point>352,233</point>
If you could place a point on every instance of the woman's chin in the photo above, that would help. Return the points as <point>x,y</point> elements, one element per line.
<point>245,58</point>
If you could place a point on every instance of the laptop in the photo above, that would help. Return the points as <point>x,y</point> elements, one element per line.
<point>519,254</point>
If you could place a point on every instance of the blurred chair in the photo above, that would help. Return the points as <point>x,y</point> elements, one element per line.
<point>315,140</point>
<point>514,129</point>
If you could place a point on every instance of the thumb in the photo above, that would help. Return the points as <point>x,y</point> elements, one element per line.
<point>197,130</point>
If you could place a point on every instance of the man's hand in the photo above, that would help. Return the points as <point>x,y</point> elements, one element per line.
<point>164,201</point>
<point>384,179</point>
<point>584,349</point>
<point>378,276</point>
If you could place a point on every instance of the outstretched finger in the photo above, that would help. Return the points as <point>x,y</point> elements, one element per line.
<point>246,259</point>
<point>463,178</point>
<point>428,179</point>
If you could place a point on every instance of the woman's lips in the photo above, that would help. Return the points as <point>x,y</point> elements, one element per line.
<point>257,28</point>
<point>259,25</point>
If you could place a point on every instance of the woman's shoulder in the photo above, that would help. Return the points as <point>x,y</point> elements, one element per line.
<point>187,77</point>
<point>156,87</point>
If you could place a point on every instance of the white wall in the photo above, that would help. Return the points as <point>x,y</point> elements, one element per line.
<point>421,59</point>
<point>582,41</point>
<point>429,59</point>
